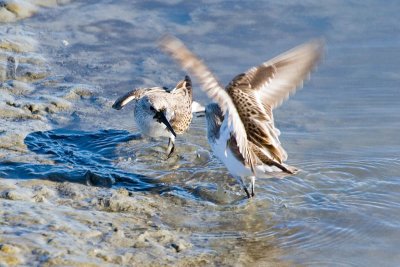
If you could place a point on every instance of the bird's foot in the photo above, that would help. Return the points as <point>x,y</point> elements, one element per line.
<point>171,148</point>
<point>247,192</point>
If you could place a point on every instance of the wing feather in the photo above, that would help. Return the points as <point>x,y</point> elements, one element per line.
<point>257,120</point>
<point>175,48</point>
<point>276,79</point>
<point>250,97</point>
<point>256,92</point>
<point>135,94</point>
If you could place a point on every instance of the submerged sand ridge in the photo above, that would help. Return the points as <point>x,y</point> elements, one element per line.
<point>20,112</point>
<point>12,10</point>
<point>52,224</point>
<point>32,98</point>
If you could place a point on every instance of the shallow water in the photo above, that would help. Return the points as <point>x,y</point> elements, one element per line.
<point>341,130</point>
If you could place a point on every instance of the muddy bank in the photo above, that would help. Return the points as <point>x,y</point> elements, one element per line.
<point>33,98</point>
<point>54,211</point>
<point>13,10</point>
<point>52,224</point>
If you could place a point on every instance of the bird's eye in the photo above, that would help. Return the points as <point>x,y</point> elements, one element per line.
<point>151,108</point>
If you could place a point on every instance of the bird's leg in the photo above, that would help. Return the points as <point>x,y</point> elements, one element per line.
<point>247,192</point>
<point>240,180</point>
<point>253,184</point>
<point>171,146</point>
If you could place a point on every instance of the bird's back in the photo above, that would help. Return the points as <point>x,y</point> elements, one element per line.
<point>180,100</point>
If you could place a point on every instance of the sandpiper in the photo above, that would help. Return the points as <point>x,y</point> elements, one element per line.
<point>240,125</point>
<point>159,112</point>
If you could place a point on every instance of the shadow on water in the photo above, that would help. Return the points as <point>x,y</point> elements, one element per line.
<point>81,157</point>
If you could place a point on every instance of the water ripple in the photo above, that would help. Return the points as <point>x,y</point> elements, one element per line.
<point>325,206</point>
<point>331,204</point>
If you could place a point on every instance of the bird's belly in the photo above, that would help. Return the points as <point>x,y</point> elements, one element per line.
<point>224,154</point>
<point>236,167</point>
<point>150,127</point>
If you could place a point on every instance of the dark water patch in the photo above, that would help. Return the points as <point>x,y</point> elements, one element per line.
<point>82,157</point>
<point>76,147</point>
<point>94,158</point>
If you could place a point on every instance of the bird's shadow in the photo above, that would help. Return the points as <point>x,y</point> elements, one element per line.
<point>80,157</point>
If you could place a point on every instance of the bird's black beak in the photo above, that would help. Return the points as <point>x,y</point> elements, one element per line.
<point>162,119</point>
<point>117,105</point>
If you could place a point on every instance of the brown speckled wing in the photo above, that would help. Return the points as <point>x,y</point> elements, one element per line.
<point>195,66</point>
<point>184,87</point>
<point>259,90</point>
<point>274,80</point>
<point>181,100</point>
<point>257,121</point>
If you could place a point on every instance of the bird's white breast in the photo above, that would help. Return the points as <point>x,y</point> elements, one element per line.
<point>223,153</point>
<point>234,166</point>
<point>147,124</point>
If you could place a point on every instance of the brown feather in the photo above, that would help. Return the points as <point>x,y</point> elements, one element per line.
<point>256,92</point>
<point>256,120</point>
<point>251,96</point>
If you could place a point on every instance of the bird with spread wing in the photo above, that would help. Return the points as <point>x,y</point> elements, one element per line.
<point>240,124</point>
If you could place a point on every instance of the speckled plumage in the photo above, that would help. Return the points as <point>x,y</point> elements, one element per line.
<point>241,129</point>
<point>159,112</point>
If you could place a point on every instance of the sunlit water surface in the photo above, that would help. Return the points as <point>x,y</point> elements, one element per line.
<point>341,129</point>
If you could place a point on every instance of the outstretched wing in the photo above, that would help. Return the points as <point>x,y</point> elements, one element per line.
<point>259,90</point>
<point>276,79</point>
<point>195,66</point>
<point>135,94</point>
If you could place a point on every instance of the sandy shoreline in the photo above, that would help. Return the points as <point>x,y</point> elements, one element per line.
<point>51,224</point>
